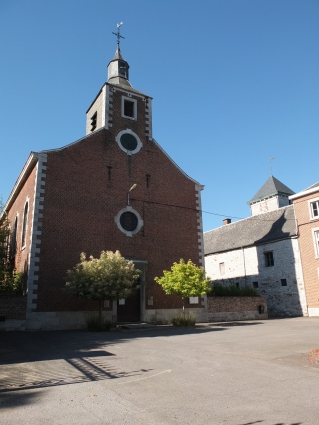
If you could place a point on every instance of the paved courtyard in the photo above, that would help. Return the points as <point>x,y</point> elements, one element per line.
<point>235,373</point>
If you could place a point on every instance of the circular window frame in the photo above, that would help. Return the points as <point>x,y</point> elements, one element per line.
<point>140,222</point>
<point>128,131</point>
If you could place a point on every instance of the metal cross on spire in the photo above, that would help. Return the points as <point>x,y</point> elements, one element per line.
<point>118,35</point>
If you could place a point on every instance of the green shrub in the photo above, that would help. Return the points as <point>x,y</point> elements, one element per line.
<point>11,283</point>
<point>94,325</point>
<point>184,321</point>
<point>220,290</point>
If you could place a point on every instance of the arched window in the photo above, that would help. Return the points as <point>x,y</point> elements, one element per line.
<point>14,239</point>
<point>24,225</point>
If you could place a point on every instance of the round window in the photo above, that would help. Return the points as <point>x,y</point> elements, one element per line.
<point>128,221</point>
<point>128,141</point>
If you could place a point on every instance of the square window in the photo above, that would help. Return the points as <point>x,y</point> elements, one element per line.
<point>314,209</point>
<point>283,282</point>
<point>255,285</point>
<point>269,259</point>
<point>237,284</point>
<point>129,108</point>
<point>222,268</point>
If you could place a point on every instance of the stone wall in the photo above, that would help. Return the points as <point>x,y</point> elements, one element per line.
<point>236,308</point>
<point>281,283</point>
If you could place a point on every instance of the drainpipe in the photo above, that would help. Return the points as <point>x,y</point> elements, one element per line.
<point>242,248</point>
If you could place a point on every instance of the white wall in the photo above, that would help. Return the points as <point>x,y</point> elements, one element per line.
<point>247,265</point>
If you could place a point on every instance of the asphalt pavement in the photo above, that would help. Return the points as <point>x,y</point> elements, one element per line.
<point>238,373</point>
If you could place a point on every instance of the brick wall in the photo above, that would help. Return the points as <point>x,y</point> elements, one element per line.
<point>236,308</point>
<point>310,262</point>
<point>26,194</point>
<point>13,307</point>
<point>86,185</point>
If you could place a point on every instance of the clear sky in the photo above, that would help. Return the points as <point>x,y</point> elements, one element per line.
<point>234,82</point>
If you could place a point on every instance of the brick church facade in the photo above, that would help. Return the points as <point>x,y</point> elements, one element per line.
<point>77,199</point>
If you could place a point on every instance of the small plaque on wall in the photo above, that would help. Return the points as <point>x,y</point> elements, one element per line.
<point>122,301</point>
<point>193,300</point>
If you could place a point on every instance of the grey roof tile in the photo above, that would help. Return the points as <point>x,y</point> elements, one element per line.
<point>272,187</point>
<point>255,230</point>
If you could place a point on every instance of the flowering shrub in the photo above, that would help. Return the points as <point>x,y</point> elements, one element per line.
<point>109,277</point>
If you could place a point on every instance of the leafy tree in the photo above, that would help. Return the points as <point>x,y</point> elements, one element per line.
<point>11,281</point>
<point>185,279</point>
<point>4,240</point>
<point>106,278</point>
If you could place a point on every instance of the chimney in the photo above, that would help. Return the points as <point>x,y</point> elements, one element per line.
<point>226,221</point>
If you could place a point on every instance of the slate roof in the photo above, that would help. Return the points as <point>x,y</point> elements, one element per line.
<point>255,230</point>
<point>272,187</point>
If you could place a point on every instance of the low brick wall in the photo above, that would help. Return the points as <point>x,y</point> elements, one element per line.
<point>236,308</point>
<point>13,307</point>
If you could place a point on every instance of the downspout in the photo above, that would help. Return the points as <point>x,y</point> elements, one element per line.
<point>244,264</point>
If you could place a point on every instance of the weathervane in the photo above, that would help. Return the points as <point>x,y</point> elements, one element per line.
<point>118,35</point>
<point>271,159</point>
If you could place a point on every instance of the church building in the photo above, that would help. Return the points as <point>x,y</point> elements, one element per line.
<point>114,189</point>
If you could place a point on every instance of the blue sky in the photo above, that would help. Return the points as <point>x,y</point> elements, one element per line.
<point>234,82</point>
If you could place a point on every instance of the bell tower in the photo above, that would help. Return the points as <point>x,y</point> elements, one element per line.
<point>118,67</point>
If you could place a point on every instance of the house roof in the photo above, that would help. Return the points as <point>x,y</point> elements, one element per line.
<point>309,191</point>
<point>313,186</point>
<point>272,187</point>
<point>255,230</point>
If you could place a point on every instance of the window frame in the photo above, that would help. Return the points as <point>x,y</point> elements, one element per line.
<point>24,225</point>
<point>129,131</point>
<point>315,237</point>
<point>222,268</point>
<point>311,210</point>
<point>140,222</point>
<point>134,101</point>
<point>13,243</point>
<point>269,262</point>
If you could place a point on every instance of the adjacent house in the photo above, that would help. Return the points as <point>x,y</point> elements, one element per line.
<point>306,205</point>
<point>261,251</point>
<point>114,189</point>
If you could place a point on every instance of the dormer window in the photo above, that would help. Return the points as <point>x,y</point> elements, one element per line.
<point>129,108</point>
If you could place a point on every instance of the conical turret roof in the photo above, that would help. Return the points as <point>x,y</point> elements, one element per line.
<point>118,54</point>
<point>272,187</point>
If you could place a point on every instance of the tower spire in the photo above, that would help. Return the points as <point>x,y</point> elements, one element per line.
<point>118,35</point>
<point>118,67</point>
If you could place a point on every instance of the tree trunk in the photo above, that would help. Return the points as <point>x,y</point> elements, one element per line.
<point>183,307</point>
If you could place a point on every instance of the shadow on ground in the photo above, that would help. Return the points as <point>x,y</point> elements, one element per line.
<point>30,360</point>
